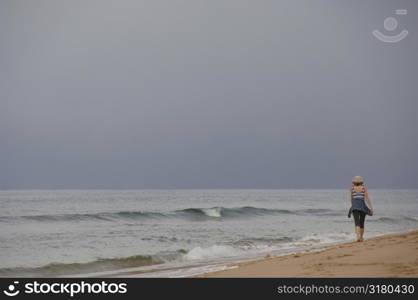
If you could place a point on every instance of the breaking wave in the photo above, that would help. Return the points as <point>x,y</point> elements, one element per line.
<point>99,265</point>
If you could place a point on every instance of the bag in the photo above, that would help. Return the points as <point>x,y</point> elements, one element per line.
<point>368,212</point>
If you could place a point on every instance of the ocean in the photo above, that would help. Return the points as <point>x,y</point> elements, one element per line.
<point>176,233</point>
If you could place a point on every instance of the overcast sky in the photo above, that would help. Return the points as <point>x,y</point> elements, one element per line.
<point>207,94</point>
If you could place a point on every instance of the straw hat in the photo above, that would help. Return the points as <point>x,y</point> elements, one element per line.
<point>358,179</point>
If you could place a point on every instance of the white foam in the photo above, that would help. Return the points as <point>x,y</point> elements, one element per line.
<point>181,272</point>
<point>214,212</point>
<point>214,251</point>
<point>327,237</point>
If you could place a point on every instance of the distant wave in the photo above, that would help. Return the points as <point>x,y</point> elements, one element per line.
<point>223,212</point>
<point>197,214</point>
<point>111,216</point>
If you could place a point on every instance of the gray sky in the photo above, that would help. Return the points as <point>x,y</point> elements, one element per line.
<point>206,94</point>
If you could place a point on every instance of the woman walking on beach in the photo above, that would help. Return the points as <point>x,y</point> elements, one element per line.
<point>359,209</point>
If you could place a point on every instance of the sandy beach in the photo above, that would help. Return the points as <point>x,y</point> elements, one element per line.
<point>394,255</point>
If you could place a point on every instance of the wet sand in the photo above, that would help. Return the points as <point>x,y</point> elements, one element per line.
<point>394,255</point>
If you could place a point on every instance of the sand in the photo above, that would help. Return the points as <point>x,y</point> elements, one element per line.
<point>394,255</point>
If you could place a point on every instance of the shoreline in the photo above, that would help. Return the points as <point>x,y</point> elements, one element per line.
<point>390,255</point>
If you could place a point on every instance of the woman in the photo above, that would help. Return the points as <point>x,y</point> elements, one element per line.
<point>359,198</point>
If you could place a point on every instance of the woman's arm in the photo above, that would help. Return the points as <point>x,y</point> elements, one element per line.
<point>367,199</point>
<point>351,196</point>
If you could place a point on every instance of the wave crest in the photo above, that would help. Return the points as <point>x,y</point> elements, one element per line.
<point>99,265</point>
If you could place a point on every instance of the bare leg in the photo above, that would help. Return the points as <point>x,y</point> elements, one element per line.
<point>358,233</point>
<point>361,234</point>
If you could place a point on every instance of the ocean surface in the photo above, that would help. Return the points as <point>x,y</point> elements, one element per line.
<point>174,233</point>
